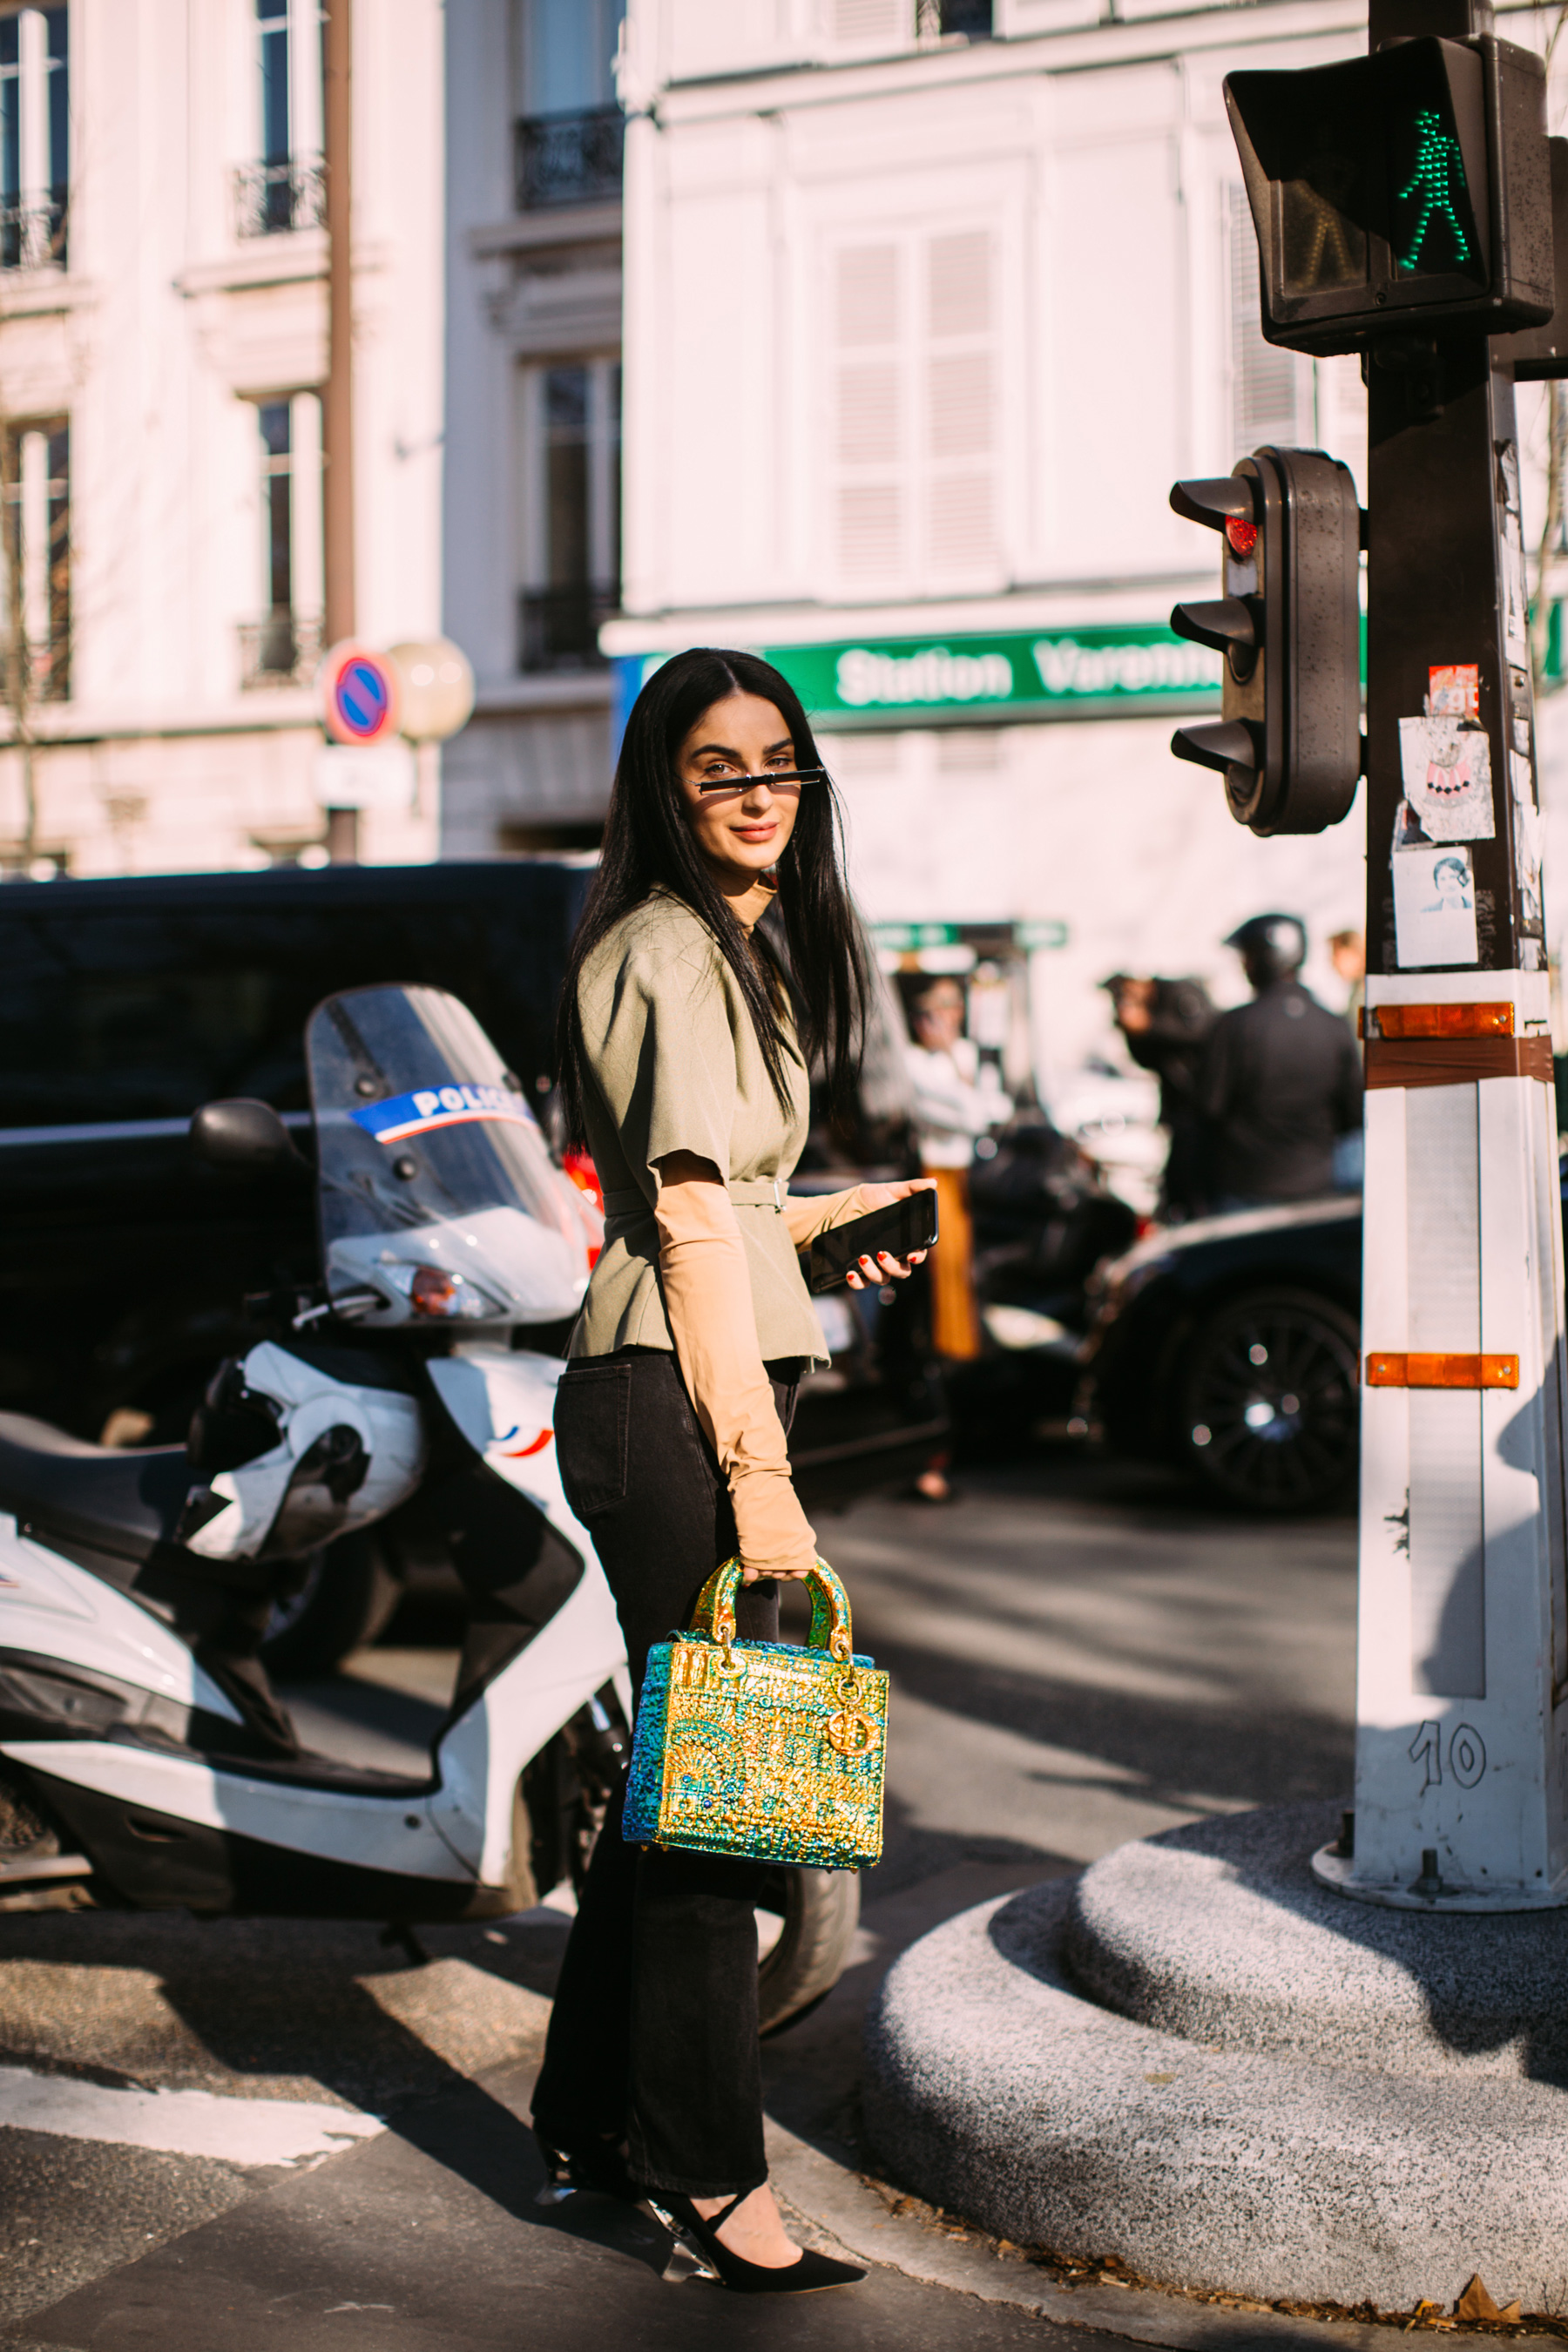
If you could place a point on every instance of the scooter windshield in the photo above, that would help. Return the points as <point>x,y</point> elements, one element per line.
<point>424,1142</point>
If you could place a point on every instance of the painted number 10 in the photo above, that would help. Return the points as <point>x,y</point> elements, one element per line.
<point>1467,1755</point>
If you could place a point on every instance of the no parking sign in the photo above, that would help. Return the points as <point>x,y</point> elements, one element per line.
<point>359,693</point>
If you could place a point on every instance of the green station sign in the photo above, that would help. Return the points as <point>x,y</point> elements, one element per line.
<point>1098,671</point>
<point>1094,671</point>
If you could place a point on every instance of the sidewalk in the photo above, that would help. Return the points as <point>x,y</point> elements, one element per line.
<point>823,2175</point>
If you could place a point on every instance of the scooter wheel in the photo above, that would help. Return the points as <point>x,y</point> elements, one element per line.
<point>819,1911</point>
<point>348,1596</point>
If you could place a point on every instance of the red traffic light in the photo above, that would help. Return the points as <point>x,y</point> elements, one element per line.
<point>1288,744</point>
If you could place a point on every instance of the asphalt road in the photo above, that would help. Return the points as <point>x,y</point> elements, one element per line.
<point>192,2140</point>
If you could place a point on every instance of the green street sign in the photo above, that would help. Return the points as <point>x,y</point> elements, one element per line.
<point>908,939</point>
<point>1099,669</point>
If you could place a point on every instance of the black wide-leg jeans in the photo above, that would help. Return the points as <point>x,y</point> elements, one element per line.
<point>654,2030</point>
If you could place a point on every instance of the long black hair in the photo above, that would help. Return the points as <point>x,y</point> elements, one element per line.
<point>647,840</point>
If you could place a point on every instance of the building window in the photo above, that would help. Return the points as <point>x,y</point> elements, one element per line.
<point>285,644</point>
<point>285,190</point>
<point>571,441</point>
<point>970,17</point>
<point>913,422</point>
<point>570,131</point>
<point>35,138</point>
<point>36,575</point>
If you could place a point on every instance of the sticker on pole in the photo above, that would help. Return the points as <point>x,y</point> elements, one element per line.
<point>360,694</point>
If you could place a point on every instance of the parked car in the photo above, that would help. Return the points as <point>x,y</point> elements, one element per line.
<point>1232,1346</point>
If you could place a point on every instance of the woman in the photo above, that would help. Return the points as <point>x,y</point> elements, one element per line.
<point>683,1048</point>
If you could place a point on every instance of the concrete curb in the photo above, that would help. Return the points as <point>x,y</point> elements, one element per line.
<point>846,2213</point>
<point>995,2089</point>
<point>1220,1933</point>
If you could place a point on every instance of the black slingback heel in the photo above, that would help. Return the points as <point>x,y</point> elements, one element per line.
<point>808,2277</point>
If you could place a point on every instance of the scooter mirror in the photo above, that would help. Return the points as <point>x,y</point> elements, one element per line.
<point>246,1135</point>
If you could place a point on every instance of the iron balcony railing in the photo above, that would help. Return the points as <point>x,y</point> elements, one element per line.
<point>282,648</point>
<point>272,198</point>
<point>33,237</point>
<point>569,159</point>
<point>558,628</point>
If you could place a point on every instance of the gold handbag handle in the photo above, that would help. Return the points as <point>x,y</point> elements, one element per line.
<point>714,1614</point>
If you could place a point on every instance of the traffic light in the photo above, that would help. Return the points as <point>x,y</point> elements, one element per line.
<point>1402,192</point>
<point>1288,744</point>
<point>1538,353</point>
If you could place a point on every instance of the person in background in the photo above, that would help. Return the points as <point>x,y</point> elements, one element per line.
<point>1280,1080</point>
<point>958,1098</point>
<point>1166,1025</point>
<point>1347,953</point>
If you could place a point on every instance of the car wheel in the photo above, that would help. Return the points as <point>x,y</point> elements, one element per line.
<point>1270,1394</point>
<point>347,1598</point>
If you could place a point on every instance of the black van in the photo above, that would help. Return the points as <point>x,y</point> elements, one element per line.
<point>126,1003</point>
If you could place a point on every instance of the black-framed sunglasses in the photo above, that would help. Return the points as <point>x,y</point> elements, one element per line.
<point>769,776</point>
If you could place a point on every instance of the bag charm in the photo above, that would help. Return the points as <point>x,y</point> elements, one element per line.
<point>760,1749</point>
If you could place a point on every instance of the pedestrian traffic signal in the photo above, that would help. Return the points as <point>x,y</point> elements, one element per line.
<point>1288,744</point>
<point>1540,353</point>
<point>1401,192</point>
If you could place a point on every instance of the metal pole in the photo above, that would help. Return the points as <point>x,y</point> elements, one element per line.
<point>1463,1644</point>
<point>337,406</point>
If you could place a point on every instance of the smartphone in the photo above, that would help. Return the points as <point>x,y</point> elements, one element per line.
<point>902,1227</point>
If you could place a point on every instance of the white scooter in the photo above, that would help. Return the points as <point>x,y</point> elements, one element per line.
<point>144,1760</point>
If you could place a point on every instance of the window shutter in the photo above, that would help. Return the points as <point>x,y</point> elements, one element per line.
<point>961,421</point>
<point>869,442</point>
<point>871,20</point>
<point>867,304</point>
<point>1271,390</point>
<point>959,269</point>
<point>867,412</point>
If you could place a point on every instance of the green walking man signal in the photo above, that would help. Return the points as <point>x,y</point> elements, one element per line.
<point>1402,192</point>
<point>1437,163</point>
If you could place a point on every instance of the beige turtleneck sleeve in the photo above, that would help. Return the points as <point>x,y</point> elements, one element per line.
<point>708,1304</point>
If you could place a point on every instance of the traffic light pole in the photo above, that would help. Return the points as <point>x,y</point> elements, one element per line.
<point>1461,1748</point>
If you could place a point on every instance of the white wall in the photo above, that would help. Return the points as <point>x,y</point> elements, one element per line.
<point>1101,190</point>
<point>1092,823</point>
<point>784,346</point>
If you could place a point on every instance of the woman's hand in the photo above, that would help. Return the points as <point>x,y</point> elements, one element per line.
<point>885,1267</point>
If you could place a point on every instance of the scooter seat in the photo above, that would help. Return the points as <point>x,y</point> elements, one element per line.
<point>124,1500</point>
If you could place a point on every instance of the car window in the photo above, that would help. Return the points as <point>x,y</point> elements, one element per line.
<point>145,1014</point>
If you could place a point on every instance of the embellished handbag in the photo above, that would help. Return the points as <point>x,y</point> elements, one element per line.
<point>760,1749</point>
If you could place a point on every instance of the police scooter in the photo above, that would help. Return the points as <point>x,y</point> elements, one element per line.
<point>143,1758</point>
<point>144,1761</point>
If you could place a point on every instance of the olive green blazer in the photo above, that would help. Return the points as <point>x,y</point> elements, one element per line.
<point>674,1065</point>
